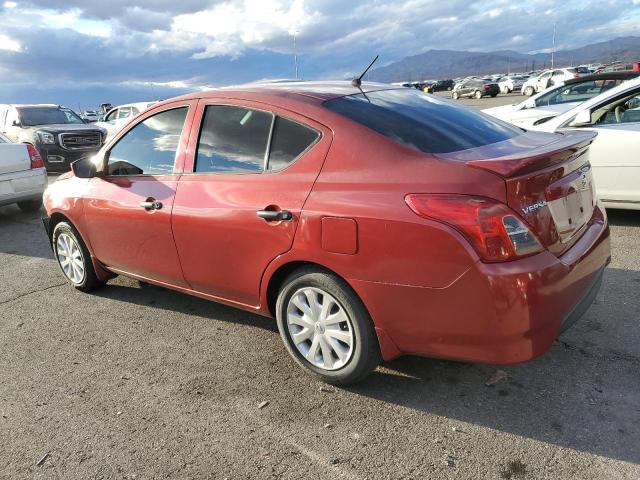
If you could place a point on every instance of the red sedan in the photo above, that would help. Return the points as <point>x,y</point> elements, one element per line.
<point>370,222</point>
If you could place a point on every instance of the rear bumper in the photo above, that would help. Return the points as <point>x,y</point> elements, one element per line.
<point>22,186</point>
<point>494,313</point>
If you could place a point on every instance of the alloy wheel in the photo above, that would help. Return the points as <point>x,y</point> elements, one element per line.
<point>70,258</point>
<point>320,328</point>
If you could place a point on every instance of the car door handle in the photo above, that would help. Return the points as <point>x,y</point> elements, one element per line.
<point>275,215</point>
<point>151,205</point>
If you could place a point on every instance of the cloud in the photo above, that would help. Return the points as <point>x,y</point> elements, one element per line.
<point>206,42</point>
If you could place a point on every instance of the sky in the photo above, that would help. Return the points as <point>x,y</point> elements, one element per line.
<point>84,52</point>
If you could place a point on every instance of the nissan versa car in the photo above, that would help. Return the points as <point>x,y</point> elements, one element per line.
<point>371,222</point>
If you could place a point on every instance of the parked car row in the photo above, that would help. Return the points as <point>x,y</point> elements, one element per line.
<point>607,104</point>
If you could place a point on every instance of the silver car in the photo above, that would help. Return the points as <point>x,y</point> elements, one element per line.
<point>23,177</point>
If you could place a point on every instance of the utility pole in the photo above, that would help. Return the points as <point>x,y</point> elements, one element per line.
<point>553,50</point>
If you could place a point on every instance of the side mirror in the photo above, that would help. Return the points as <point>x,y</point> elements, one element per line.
<point>87,167</point>
<point>530,103</point>
<point>16,123</point>
<point>583,118</point>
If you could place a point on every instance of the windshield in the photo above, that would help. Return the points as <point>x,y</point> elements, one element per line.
<point>575,92</point>
<point>47,116</point>
<point>425,123</point>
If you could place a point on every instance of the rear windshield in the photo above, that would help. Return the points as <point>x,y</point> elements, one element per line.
<point>47,116</point>
<point>426,123</point>
<point>581,70</point>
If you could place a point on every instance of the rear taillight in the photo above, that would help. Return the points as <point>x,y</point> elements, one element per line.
<point>34,156</point>
<point>494,230</point>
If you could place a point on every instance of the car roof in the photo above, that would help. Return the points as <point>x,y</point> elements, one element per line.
<point>33,105</point>
<point>604,76</point>
<point>307,91</point>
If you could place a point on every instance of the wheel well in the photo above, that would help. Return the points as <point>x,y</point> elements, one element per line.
<point>279,276</point>
<point>56,218</point>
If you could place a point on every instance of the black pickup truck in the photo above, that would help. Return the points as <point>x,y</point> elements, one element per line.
<point>60,135</point>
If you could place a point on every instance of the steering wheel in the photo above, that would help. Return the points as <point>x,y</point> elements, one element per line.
<point>619,111</point>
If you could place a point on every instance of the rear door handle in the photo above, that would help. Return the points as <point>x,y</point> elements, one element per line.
<point>274,215</point>
<point>151,205</point>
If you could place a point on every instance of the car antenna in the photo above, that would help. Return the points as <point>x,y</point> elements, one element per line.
<point>356,82</point>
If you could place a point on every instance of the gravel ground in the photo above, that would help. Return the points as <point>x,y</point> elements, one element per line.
<point>136,381</point>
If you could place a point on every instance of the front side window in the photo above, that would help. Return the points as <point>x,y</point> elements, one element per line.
<point>425,123</point>
<point>233,139</point>
<point>624,109</point>
<point>150,147</point>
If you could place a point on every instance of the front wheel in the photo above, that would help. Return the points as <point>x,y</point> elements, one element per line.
<point>326,328</point>
<point>477,95</point>
<point>455,95</point>
<point>505,90</point>
<point>528,91</point>
<point>73,258</point>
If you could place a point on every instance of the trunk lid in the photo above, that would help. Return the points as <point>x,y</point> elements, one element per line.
<point>14,157</point>
<point>548,182</point>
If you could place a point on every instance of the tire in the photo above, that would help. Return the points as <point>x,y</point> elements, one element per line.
<point>505,91</point>
<point>30,206</point>
<point>315,290</point>
<point>68,245</point>
<point>455,95</point>
<point>528,91</point>
<point>494,95</point>
<point>477,95</point>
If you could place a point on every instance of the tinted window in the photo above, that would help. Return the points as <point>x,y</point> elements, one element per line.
<point>426,123</point>
<point>575,92</point>
<point>289,140</point>
<point>150,147</point>
<point>233,139</point>
<point>47,116</point>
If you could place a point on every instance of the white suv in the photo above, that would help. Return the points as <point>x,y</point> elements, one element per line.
<point>550,78</point>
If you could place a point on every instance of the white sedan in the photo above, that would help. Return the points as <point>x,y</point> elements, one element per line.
<point>556,100</point>
<point>119,116</point>
<point>23,177</point>
<point>614,154</point>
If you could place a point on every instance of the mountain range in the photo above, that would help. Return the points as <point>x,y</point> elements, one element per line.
<point>438,64</point>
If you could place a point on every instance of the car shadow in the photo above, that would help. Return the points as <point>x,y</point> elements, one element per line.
<point>624,218</point>
<point>158,297</point>
<point>582,395</point>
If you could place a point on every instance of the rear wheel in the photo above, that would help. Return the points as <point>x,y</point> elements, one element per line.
<point>326,328</point>
<point>528,91</point>
<point>505,90</point>
<point>74,258</point>
<point>30,206</point>
<point>455,95</point>
<point>477,94</point>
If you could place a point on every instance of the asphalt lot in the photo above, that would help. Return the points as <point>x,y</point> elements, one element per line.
<point>136,381</point>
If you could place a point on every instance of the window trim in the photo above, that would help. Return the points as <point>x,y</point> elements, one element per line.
<point>107,153</point>
<point>267,153</point>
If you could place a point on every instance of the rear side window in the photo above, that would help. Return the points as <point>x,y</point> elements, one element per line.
<point>243,140</point>
<point>233,139</point>
<point>423,122</point>
<point>150,147</point>
<point>290,139</point>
